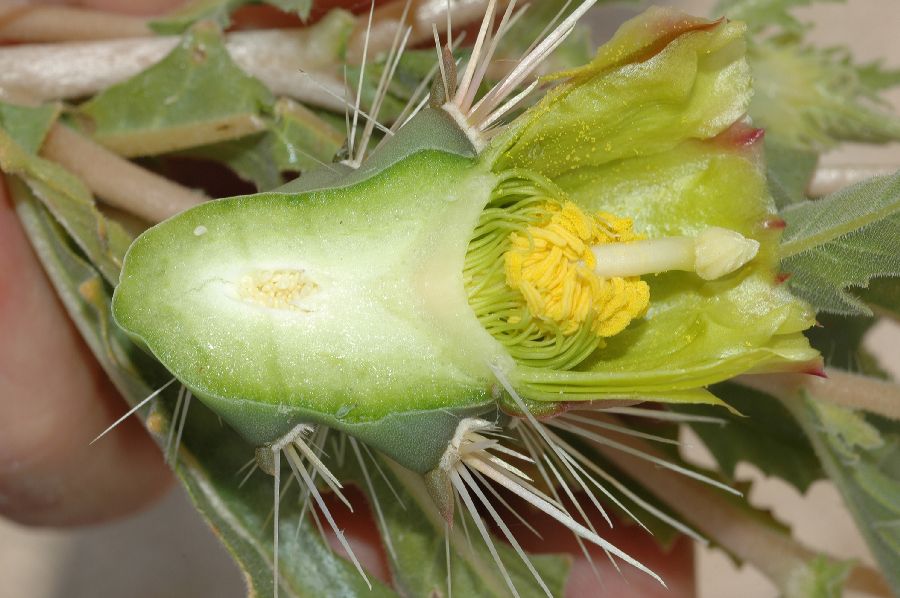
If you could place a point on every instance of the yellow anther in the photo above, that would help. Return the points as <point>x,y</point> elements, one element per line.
<point>551,264</point>
<point>276,289</point>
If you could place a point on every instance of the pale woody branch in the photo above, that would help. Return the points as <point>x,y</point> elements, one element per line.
<point>46,72</point>
<point>279,58</point>
<point>829,179</point>
<point>35,23</point>
<point>840,388</point>
<point>116,181</point>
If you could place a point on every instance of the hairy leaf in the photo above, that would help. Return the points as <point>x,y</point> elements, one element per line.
<point>883,296</point>
<point>763,434</point>
<point>812,98</point>
<point>843,240</point>
<point>821,578</point>
<point>195,95</point>
<point>788,171</point>
<point>875,76</point>
<point>220,11</point>
<point>840,340</point>
<point>763,14</point>
<point>806,97</point>
<point>861,454</point>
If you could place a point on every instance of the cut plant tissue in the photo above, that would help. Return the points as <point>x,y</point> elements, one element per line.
<point>510,270</point>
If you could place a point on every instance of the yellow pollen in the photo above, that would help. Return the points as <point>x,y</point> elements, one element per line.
<point>276,289</point>
<point>551,264</point>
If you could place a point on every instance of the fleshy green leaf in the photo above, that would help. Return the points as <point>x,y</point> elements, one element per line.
<point>84,294</point>
<point>220,11</point>
<point>28,126</point>
<point>195,95</point>
<point>843,240</point>
<point>764,434</point>
<point>861,454</point>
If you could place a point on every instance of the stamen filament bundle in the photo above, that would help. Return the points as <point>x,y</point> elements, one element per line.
<point>520,200</point>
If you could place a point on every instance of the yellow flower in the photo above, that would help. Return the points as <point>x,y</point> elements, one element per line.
<point>552,265</point>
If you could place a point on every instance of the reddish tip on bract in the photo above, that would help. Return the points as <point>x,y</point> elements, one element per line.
<point>774,223</point>
<point>817,371</point>
<point>740,135</point>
